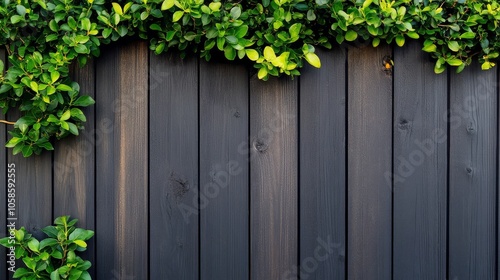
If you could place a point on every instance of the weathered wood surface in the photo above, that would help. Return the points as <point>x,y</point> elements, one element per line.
<point>190,170</point>
<point>369,117</point>
<point>420,166</point>
<point>74,166</point>
<point>323,168</point>
<point>274,178</point>
<point>174,158</point>
<point>473,174</point>
<point>224,172</point>
<point>122,163</point>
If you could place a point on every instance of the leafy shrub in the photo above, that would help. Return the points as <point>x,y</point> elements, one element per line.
<point>53,257</point>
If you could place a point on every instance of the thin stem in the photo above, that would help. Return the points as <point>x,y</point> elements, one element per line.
<point>7,122</point>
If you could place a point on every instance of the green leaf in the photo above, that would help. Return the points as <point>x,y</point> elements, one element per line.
<point>215,6</point>
<point>86,24</point>
<point>252,54</point>
<point>55,275</point>
<point>177,16</point>
<point>47,242</point>
<point>262,73</point>
<point>229,52</point>
<point>400,40</point>
<point>430,48</point>
<point>13,142</point>
<point>80,243</point>
<point>16,18</point>
<point>235,12</point>
<point>351,35</point>
<point>313,59</point>
<point>468,35</point>
<point>84,101</point>
<point>85,276</point>
<point>454,46</point>
<point>117,8</point>
<point>294,30</point>
<point>438,69</point>
<point>106,32</point>
<point>66,115</point>
<point>54,76</point>
<point>27,151</point>
<point>34,245</point>
<point>413,35</point>
<point>454,62</point>
<point>269,54</point>
<point>21,10</point>
<point>63,87</point>
<point>167,4</point>
<point>487,65</point>
<point>21,272</point>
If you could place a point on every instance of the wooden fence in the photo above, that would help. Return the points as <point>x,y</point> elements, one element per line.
<point>193,170</point>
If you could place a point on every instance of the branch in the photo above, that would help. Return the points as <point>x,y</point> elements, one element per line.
<point>7,122</point>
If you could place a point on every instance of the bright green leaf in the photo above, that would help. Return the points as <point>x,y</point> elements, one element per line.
<point>313,59</point>
<point>167,4</point>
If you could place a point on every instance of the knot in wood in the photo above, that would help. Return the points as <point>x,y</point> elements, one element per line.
<point>404,125</point>
<point>469,171</point>
<point>260,145</point>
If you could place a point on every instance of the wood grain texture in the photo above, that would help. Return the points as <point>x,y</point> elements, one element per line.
<point>473,174</point>
<point>224,171</point>
<point>174,168</point>
<point>274,177</point>
<point>322,168</point>
<point>3,179</point>
<point>122,163</point>
<point>74,166</point>
<point>369,158</point>
<point>420,166</point>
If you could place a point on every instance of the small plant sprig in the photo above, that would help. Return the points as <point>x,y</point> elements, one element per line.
<point>54,257</point>
<point>43,38</point>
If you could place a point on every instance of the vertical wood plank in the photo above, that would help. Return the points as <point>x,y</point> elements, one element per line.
<point>174,168</point>
<point>224,172</point>
<point>322,168</point>
<point>122,163</point>
<point>473,152</point>
<point>369,157</point>
<point>74,166</point>
<point>274,177</point>
<point>33,200</point>
<point>3,179</point>
<point>420,166</point>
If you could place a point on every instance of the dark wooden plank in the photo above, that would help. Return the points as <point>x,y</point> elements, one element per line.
<point>322,168</point>
<point>74,166</point>
<point>224,172</point>
<point>472,190</point>
<point>369,157</point>
<point>3,178</point>
<point>274,177</point>
<point>420,164</point>
<point>122,163</point>
<point>174,168</point>
<point>33,201</point>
